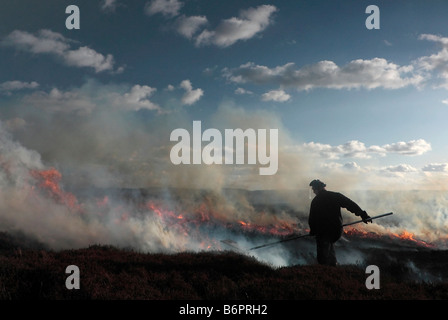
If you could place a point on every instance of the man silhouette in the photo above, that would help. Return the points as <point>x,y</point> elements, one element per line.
<point>325,220</point>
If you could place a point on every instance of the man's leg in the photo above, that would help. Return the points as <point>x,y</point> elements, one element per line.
<point>325,251</point>
<point>332,261</point>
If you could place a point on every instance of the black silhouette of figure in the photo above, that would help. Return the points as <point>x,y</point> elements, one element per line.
<point>325,220</point>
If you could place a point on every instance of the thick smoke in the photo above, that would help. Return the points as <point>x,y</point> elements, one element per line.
<point>22,208</point>
<point>194,206</point>
<point>30,206</point>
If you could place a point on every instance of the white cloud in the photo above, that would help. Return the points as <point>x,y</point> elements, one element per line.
<point>109,5</point>
<point>188,26</point>
<point>138,98</point>
<point>436,167</point>
<point>168,8</point>
<point>276,95</point>
<point>209,71</point>
<point>352,166</point>
<point>191,95</point>
<point>437,62</point>
<point>53,43</point>
<point>351,149</point>
<point>401,168</point>
<point>432,37</point>
<point>243,91</point>
<point>358,73</point>
<point>92,96</point>
<point>8,86</point>
<point>46,41</point>
<point>86,57</point>
<point>413,147</point>
<point>357,149</point>
<point>249,23</point>
<point>60,101</point>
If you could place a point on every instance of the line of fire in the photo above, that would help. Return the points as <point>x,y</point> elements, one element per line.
<point>199,222</point>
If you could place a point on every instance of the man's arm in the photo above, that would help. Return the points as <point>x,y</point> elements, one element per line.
<point>353,207</point>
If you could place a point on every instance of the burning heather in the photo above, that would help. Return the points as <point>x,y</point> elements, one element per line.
<point>49,180</point>
<point>405,237</point>
<point>35,202</point>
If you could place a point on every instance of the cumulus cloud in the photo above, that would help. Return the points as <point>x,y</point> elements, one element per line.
<point>53,43</point>
<point>437,62</point>
<point>276,95</point>
<point>189,26</point>
<point>90,96</point>
<point>86,57</point>
<point>411,148</point>
<point>369,74</point>
<point>351,149</point>
<point>436,167</point>
<point>249,23</point>
<point>243,91</point>
<point>435,38</point>
<point>358,73</point>
<point>138,98</point>
<point>351,166</point>
<point>168,8</point>
<point>61,101</point>
<point>401,168</point>
<point>191,95</point>
<point>9,86</point>
<point>357,149</point>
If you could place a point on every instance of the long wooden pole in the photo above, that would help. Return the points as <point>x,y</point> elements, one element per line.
<point>307,235</point>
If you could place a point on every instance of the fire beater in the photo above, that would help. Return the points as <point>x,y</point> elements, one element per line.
<point>233,244</point>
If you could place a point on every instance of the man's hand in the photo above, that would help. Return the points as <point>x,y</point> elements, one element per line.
<point>365,217</point>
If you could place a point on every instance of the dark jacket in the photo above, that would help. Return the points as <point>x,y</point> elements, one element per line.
<point>325,218</point>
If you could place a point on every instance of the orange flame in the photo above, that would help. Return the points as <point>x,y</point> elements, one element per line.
<point>405,235</point>
<point>189,222</point>
<point>409,236</point>
<point>49,180</point>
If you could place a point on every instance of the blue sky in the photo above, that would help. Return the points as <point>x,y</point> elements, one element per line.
<point>368,107</point>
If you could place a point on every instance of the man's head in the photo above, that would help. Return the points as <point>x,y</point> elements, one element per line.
<point>317,186</point>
